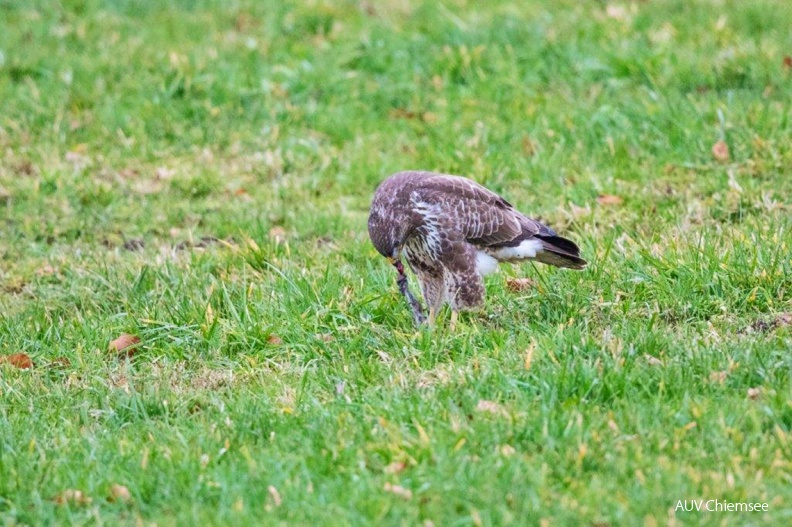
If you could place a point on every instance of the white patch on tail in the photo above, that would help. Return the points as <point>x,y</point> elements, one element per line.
<point>485,264</point>
<point>527,249</point>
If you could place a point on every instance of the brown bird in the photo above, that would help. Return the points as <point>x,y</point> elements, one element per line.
<point>453,231</point>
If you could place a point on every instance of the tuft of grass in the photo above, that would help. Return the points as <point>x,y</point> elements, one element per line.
<point>198,174</point>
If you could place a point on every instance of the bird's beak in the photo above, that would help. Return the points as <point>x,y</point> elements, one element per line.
<point>395,259</point>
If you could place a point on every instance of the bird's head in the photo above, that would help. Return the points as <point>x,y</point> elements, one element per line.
<point>388,236</point>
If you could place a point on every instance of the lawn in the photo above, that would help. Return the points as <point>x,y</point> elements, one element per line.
<point>197,175</point>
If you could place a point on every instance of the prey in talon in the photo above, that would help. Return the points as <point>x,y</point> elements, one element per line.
<point>404,289</point>
<point>453,231</point>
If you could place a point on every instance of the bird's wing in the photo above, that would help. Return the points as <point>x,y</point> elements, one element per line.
<point>484,218</point>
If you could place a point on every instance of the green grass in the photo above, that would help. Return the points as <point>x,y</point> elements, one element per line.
<point>279,378</point>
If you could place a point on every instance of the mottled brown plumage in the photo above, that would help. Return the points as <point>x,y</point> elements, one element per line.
<point>452,231</point>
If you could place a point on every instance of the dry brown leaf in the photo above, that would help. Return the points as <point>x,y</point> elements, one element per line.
<point>76,497</point>
<point>395,467</point>
<point>720,151</point>
<point>491,407</point>
<point>18,360</point>
<point>516,285</point>
<point>787,62</point>
<point>398,490</point>
<point>274,339</point>
<point>275,495</point>
<point>45,270</point>
<point>125,344</point>
<point>718,376</point>
<point>654,361</point>
<point>278,234</point>
<point>119,493</point>
<point>754,393</point>
<point>60,363</point>
<point>429,117</point>
<point>609,200</point>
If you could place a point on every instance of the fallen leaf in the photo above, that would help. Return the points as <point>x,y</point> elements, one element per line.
<point>60,363</point>
<point>274,339</point>
<point>720,151</point>
<point>278,234</point>
<point>395,467</point>
<point>45,270</point>
<point>609,200</point>
<point>516,285</point>
<point>275,495</point>
<point>398,490</point>
<point>125,344</point>
<point>787,62</point>
<point>654,361</point>
<point>754,393</point>
<point>73,496</point>
<point>119,493</point>
<point>18,360</point>
<point>429,117</point>
<point>490,407</point>
<point>718,376</point>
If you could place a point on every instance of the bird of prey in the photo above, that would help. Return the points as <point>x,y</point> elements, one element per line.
<point>453,231</point>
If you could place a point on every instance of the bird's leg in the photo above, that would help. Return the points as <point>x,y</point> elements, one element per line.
<point>454,317</point>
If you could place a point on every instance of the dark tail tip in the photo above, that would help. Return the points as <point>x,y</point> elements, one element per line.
<point>560,252</point>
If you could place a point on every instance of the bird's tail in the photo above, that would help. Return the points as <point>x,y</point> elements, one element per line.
<point>560,252</point>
